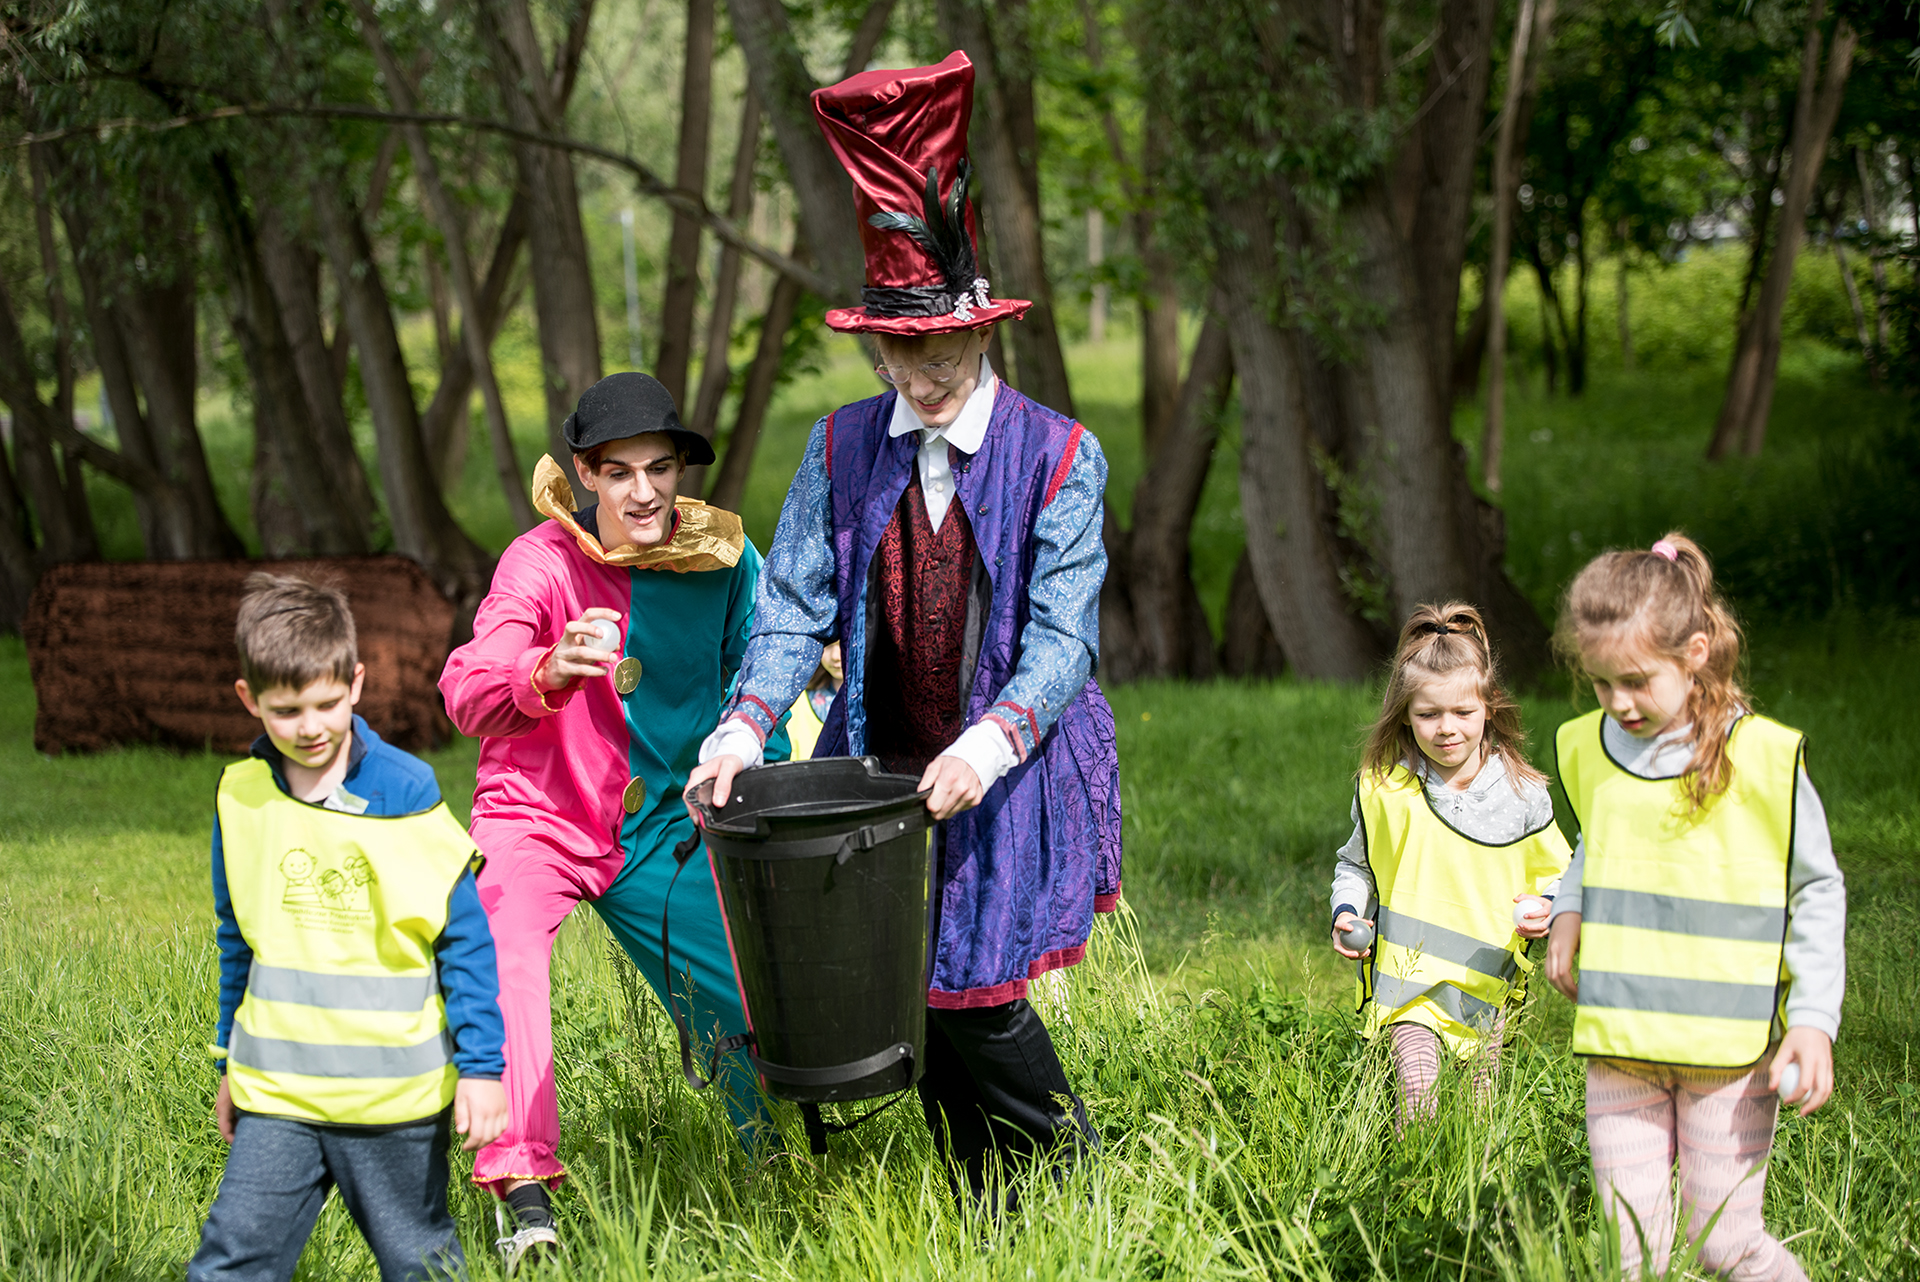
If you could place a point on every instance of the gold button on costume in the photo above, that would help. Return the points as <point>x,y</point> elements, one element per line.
<point>635,794</point>
<point>626,675</point>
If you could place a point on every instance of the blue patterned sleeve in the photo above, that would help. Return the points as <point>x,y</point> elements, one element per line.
<point>1060,645</point>
<point>794,609</point>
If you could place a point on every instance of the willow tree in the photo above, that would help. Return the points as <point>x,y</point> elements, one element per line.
<point>1329,148</point>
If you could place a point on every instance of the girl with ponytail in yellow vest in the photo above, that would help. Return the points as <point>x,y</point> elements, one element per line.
<point>1704,908</point>
<point>1453,842</point>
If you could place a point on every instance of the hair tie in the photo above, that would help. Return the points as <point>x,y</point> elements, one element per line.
<point>1667,550</point>
<point>1440,629</point>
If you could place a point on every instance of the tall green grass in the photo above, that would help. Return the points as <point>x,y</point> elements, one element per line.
<point>1247,1133</point>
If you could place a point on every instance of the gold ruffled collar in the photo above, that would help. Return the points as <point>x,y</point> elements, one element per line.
<point>704,538</point>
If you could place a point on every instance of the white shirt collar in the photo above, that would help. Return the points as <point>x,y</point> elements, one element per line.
<point>967,431</point>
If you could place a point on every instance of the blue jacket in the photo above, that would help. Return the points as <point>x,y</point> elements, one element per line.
<point>1022,874</point>
<point>391,782</point>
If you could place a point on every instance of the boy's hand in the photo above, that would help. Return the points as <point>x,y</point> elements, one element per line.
<point>1563,945</point>
<point>1812,1050</point>
<point>223,1110</point>
<point>572,657</point>
<point>1344,922</point>
<point>479,1112</point>
<point>1533,927</point>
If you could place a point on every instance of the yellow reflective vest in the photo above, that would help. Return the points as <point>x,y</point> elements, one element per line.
<point>1446,953</point>
<point>1683,913</point>
<point>342,1021</point>
<point>803,727</point>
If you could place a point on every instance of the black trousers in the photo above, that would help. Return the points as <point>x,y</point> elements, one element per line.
<point>997,1099</point>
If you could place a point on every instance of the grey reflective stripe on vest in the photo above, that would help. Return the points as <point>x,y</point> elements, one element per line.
<point>316,1059</point>
<point>1707,918</point>
<point>1670,995</point>
<point>1394,993</point>
<point>341,992</point>
<point>1430,940</point>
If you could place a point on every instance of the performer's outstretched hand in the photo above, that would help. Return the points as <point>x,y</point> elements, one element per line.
<point>721,770</point>
<point>955,787</point>
<point>572,657</point>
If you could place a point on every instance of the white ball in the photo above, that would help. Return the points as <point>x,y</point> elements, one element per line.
<point>1358,937</point>
<point>1790,1081</point>
<point>1527,908</point>
<point>606,635</point>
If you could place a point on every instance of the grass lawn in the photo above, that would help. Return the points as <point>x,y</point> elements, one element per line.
<point>1247,1132</point>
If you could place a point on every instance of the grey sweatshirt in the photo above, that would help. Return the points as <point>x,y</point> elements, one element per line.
<point>1815,952</point>
<point>1489,810</point>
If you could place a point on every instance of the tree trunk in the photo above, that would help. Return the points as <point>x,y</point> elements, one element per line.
<point>1577,340</point>
<point>18,573</point>
<point>79,513</point>
<point>716,365</point>
<point>422,527</point>
<point>1877,361</point>
<point>473,327</point>
<point>536,99</point>
<point>1160,302</point>
<point>1284,508</point>
<point>452,399</point>
<point>716,369</point>
<point>690,174</point>
<point>1006,149</point>
<point>1409,424</point>
<point>144,341</point>
<point>1506,181</point>
<point>1622,313</point>
<point>1756,356</point>
<point>293,273</point>
<point>821,187</point>
<point>342,345</point>
<point>1247,645</point>
<point>299,507</point>
<point>1160,582</point>
<point>730,485</point>
<point>35,431</point>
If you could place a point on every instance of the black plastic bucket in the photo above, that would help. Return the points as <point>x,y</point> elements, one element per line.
<point>825,873</point>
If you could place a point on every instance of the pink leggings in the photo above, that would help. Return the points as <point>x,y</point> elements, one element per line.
<point>1718,1125</point>
<point>1417,1052</point>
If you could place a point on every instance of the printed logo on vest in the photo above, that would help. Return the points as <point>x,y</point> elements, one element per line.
<point>328,898</point>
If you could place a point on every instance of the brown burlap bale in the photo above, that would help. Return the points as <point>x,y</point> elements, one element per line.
<point>142,651</point>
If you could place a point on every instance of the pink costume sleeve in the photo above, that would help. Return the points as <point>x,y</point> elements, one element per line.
<point>488,682</point>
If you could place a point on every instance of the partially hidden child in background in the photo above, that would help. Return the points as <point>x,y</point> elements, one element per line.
<point>809,714</point>
<point>1453,842</point>
<point>1705,910</point>
<point>358,1016</point>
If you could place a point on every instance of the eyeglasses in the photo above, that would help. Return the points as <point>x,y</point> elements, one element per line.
<point>941,372</point>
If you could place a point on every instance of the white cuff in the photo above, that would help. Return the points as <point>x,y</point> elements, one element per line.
<point>733,737</point>
<point>984,746</point>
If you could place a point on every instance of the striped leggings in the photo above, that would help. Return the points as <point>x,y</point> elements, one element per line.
<point>1717,1126</point>
<point>1417,1052</point>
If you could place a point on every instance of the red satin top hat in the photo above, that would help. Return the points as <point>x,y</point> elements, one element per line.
<point>902,135</point>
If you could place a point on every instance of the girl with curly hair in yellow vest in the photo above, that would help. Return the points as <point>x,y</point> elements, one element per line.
<point>1704,908</point>
<point>1454,843</point>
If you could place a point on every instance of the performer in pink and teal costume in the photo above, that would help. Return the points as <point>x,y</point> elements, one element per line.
<point>584,753</point>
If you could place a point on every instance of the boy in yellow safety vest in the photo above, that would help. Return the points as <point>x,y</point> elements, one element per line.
<point>359,1003</point>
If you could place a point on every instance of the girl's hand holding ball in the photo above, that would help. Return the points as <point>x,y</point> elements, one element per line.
<point>1352,936</point>
<point>1530,916</point>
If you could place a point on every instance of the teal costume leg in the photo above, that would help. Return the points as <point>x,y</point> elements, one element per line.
<point>703,980</point>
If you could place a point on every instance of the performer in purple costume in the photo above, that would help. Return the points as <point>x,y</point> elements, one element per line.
<point>949,533</point>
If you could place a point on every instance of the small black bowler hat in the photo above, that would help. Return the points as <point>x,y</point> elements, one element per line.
<point>630,404</point>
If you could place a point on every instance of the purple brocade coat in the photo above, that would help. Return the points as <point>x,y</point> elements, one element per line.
<point>1021,875</point>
